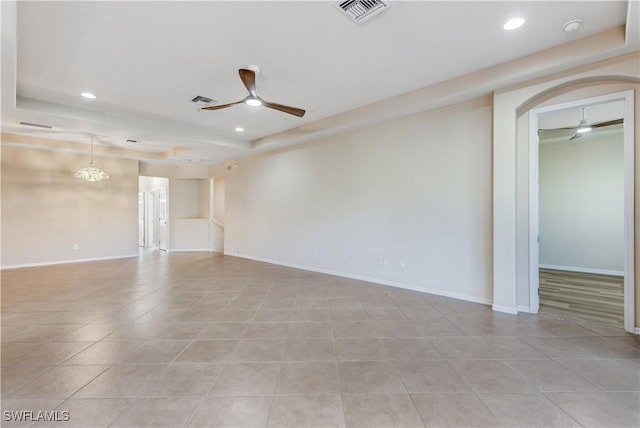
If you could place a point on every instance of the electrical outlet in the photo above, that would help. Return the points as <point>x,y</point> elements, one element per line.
<point>385,261</point>
<point>379,261</point>
<point>76,246</point>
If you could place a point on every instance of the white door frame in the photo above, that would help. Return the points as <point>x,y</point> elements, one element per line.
<point>629,199</point>
<point>152,228</point>
<point>142,196</point>
<point>162,213</point>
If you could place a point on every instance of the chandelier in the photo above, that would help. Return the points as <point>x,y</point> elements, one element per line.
<point>91,172</point>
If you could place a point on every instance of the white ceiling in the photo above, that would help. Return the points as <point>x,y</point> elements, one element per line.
<point>146,60</point>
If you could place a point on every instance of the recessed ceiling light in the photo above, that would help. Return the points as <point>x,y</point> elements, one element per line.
<point>513,23</point>
<point>88,95</point>
<point>239,129</point>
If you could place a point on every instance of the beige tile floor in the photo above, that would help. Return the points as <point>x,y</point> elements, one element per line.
<point>205,340</point>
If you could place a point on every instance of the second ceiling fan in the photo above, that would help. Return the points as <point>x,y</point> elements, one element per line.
<point>584,126</point>
<point>248,78</point>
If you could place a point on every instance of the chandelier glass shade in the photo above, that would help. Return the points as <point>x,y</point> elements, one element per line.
<point>91,172</point>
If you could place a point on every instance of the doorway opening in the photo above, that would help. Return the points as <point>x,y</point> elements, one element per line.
<point>153,213</point>
<point>581,255</point>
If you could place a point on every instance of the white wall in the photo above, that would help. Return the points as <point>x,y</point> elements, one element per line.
<point>416,191</point>
<point>582,202</point>
<point>46,210</point>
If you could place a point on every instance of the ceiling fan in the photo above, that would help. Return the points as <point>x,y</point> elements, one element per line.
<point>248,77</point>
<point>585,126</point>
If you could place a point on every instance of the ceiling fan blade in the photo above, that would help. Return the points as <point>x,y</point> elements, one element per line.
<point>221,106</point>
<point>291,110</point>
<point>546,134</point>
<point>608,123</point>
<point>556,129</point>
<point>577,135</point>
<point>248,77</point>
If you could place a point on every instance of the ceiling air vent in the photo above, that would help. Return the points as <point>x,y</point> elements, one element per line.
<point>37,125</point>
<point>361,10</point>
<point>199,99</point>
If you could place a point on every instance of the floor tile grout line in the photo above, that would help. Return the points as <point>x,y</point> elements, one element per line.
<point>191,342</point>
<point>204,397</point>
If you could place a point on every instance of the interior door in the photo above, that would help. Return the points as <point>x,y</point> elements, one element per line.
<point>162,219</point>
<point>141,216</point>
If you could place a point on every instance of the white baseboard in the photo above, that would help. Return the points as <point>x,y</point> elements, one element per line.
<point>513,310</point>
<point>526,309</point>
<point>584,270</point>
<point>63,262</point>
<point>637,330</point>
<point>367,279</point>
<point>188,250</point>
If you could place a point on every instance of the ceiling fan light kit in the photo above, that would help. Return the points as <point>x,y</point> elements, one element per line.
<point>253,102</point>
<point>248,77</point>
<point>583,127</point>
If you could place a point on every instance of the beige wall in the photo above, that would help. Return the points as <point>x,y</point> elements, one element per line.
<point>581,202</point>
<point>184,198</point>
<point>173,171</point>
<point>203,198</point>
<point>415,191</point>
<point>187,230</point>
<point>45,210</point>
<point>218,199</point>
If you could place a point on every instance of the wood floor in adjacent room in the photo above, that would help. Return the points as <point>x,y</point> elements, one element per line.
<point>195,340</point>
<point>585,296</point>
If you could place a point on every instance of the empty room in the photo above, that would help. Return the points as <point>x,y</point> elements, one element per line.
<point>360,213</point>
